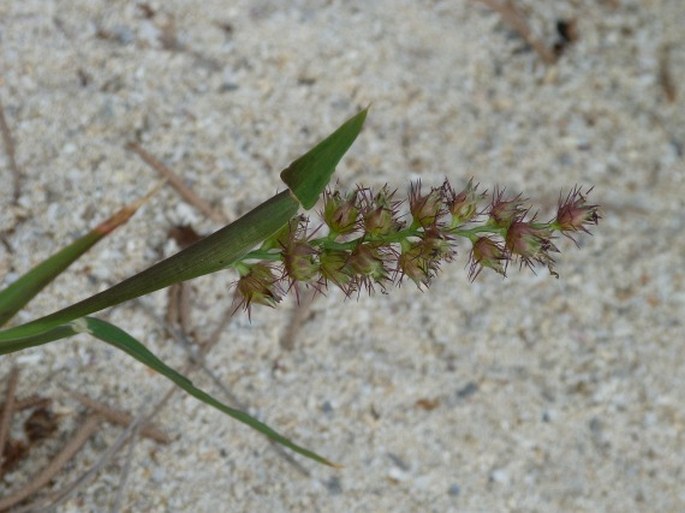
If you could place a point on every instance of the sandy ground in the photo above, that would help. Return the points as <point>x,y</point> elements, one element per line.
<point>551,395</point>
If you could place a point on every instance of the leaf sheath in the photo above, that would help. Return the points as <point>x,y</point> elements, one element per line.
<point>208,255</point>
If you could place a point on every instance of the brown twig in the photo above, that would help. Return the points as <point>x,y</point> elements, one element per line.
<point>180,294</point>
<point>8,410</point>
<point>297,317</point>
<point>87,429</point>
<point>30,402</point>
<point>185,295</point>
<point>126,471</point>
<point>49,504</point>
<point>178,306</point>
<point>665,77</point>
<point>176,182</point>
<point>121,417</point>
<point>512,16</point>
<point>8,140</point>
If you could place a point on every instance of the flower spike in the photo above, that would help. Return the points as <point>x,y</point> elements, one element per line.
<point>367,243</point>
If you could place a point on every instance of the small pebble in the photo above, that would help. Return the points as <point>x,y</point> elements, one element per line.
<point>326,407</point>
<point>454,490</point>
<point>334,486</point>
<point>467,390</point>
<point>499,476</point>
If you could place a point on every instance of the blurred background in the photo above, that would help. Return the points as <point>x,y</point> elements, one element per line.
<point>521,394</point>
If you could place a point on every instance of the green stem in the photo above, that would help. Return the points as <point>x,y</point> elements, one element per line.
<point>328,242</point>
<point>259,254</point>
<point>473,234</point>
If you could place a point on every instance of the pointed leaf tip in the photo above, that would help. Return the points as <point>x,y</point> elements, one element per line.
<point>118,338</point>
<point>307,176</point>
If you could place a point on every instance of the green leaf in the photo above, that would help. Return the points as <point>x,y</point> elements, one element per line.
<point>308,176</point>
<point>49,335</point>
<point>121,340</point>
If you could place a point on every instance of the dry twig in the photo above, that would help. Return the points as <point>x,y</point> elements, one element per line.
<point>48,505</point>
<point>8,410</point>
<point>126,471</point>
<point>665,77</point>
<point>33,401</point>
<point>512,16</point>
<point>8,140</point>
<point>121,417</point>
<point>178,307</point>
<point>86,430</point>
<point>297,317</point>
<point>176,182</point>
<point>180,294</point>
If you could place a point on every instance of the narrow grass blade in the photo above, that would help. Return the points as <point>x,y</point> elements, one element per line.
<point>120,339</point>
<point>307,176</point>
<point>19,293</point>
<point>49,335</point>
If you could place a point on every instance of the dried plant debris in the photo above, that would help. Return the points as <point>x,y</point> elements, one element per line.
<point>665,78</point>
<point>8,408</point>
<point>43,423</point>
<point>14,452</point>
<point>184,235</point>
<point>176,182</point>
<point>512,15</point>
<point>38,481</point>
<point>121,418</point>
<point>10,150</point>
<point>427,404</point>
<point>568,34</point>
<point>179,294</point>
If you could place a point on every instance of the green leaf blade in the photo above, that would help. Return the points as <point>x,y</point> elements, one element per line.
<point>19,293</point>
<point>118,338</point>
<point>45,336</point>
<point>307,176</point>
